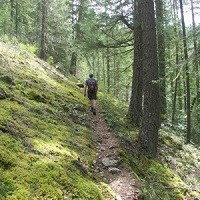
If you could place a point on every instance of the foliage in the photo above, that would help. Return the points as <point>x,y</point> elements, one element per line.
<point>114,112</point>
<point>196,124</point>
<point>173,176</point>
<point>29,48</point>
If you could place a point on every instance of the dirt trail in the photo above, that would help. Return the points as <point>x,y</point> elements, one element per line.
<point>109,165</point>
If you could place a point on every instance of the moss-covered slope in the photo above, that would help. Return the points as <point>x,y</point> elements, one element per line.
<point>175,175</point>
<point>46,149</point>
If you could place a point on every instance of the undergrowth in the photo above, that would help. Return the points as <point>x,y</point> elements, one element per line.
<point>115,114</point>
<point>173,176</point>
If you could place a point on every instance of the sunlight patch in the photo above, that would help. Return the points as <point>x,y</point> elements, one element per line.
<point>53,149</point>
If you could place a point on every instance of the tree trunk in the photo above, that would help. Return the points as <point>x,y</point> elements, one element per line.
<point>161,56</point>
<point>98,65</point>
<point>93,63</point>
<point>116,74</point>
<point>72,68</point>
<point>16,18</point>
<point>177,78</point>
<point>43,31</point>
<point>104,69</point>
<point>73,63</point>
<point>177,73</point>
<point>135,106</point>
<point>195,61</point>
<point>76,33</point>
<point>12,10</point>
<point>108,70</point>
<point>38,22</point>
<point>148,134</point>
<point>187,74</point>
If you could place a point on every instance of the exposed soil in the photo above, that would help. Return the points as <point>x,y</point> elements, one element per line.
<point>109,165</point>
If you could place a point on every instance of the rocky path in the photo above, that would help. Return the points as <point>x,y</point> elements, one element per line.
<point>109,165</point>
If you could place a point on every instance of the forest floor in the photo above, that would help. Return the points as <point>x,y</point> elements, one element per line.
<point>108,165</point>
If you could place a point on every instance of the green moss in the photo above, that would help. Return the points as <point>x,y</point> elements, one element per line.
<point>158,181</point>
<point>171,140</point>
<point>4,190</point>
<point>86,190</point>
<point>9,151</point>
<point>20,193</point>
<point>43,130</point>
<point>4,112</point>
<point>171,178</point>
<point>106,191</point>
<point>53,149</point>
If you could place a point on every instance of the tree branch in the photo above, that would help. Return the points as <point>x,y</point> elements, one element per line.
<point>124,20</point>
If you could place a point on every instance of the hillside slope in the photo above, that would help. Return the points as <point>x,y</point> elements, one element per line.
<point>46,146</point>
<point>174,175</point>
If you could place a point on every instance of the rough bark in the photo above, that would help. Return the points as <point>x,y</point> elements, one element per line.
<point>135,106</point>
<point>148,134</point>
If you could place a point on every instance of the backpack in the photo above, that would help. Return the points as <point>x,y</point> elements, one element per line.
<point>92,85</point>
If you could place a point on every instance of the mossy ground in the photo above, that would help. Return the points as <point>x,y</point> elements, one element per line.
<point>46,146</point>
<point>173,176</point>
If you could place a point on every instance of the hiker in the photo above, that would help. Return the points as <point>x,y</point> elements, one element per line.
<point>91,88</point>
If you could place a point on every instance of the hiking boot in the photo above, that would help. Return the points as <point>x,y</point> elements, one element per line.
<point>94,111</point>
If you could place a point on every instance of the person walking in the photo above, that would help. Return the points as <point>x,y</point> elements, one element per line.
<point>91,88</point>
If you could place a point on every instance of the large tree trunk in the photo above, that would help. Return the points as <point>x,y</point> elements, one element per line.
<point>135,106</point>
<point>148,134</point>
